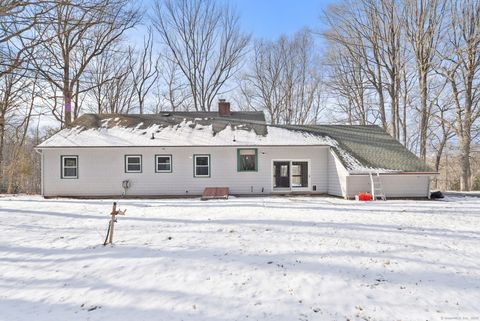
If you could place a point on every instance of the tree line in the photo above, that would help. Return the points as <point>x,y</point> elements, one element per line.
<point>411,67</point>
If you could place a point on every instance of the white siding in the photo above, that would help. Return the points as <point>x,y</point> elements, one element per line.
<point>336,176</point>
<point>102,170</point>
<point>407,185</point>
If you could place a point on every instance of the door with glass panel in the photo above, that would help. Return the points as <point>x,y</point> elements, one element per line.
<point>281,173</point>
<point>292,175</point>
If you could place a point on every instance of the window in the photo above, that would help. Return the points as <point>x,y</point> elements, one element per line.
<point>299,174</point>
<point>133,163</point>
<point>201,165</point>
<point>69,166</point>
<point>163,163</point>
<point>247,160</point>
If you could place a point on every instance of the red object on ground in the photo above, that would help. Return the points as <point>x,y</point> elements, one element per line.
<point>364,196</point>
<point>210,193</point>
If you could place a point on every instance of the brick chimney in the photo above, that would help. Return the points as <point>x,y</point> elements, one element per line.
<point>223,108</point>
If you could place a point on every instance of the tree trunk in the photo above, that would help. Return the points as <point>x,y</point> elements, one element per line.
<point>68,108</point>
<point>10,188</point>
<point>76,109</point>
<point>349,109</point>
<point>465,174</point>
<point>381,99</point>
<point>423,114</point>
<point>438,157</point>
<point>394,108</point>
<point>2,135</point>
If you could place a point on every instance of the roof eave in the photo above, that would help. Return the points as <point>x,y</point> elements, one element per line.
<point>157,146</point>
<point>393,173</point>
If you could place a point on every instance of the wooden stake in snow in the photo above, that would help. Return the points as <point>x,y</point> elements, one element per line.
<point>115,212</point>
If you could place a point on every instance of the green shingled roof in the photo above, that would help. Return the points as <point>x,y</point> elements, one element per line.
<point>371,145</point>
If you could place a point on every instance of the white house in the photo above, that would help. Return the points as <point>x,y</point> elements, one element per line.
<point>182,153</point>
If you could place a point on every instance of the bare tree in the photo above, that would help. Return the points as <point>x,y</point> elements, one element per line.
<point>370,33</point>
<point>303,81</point>
<point>175,94</point>
<point>145,71</point>
<point>12,87</point>
<point>120,91</point>
<point>110,78</point>
<point>17,19</point>
<point>80,31</point>
<point>261,87</point>
<point>20,132</point>
<point>423,22</point>
<point>407,100</point>
<point>284,79</point>
<point>355,27</point>
<point>348,84</point>
<point>386,15</point>
<point>461,68</point>
<point>205,41</point>
<point>440,130</point>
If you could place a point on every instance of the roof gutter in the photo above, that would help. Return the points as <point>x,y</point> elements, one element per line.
<point>167,146</point>
<point>397,173</point>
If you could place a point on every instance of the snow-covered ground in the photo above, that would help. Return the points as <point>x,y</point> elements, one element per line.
<point>298,258</point>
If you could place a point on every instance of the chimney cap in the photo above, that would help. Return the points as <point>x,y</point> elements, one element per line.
<point>222,100</point>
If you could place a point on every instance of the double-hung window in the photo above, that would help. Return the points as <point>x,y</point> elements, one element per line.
<point>69,166</point>
<point>133,163</point>
<point>163,163</point>
<point>247,160</point>
<point>201,164</point>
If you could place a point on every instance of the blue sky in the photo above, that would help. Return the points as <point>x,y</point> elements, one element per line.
<point>271,18</point>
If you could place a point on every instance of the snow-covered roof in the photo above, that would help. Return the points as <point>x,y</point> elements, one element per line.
<point>207,129</point>
<point>175,130</point>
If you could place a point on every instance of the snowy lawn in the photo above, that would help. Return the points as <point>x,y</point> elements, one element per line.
<point>293,258</point>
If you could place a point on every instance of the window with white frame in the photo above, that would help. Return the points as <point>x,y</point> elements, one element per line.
<point>201,165</point>
<point>133,163</point>
<point>69,166</point>
<point>163,163</point>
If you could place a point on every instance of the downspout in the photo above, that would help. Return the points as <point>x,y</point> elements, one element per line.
<point>39,152</point>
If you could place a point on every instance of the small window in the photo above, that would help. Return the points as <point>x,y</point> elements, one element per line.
<point>247,160</point>
<point>163,163</point>
<point>69,166</point>
<point>133,163</point>
<point>201,165</point>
